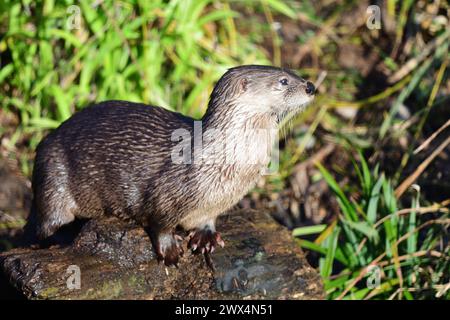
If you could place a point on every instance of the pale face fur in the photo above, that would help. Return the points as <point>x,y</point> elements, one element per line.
<point>276,94</point>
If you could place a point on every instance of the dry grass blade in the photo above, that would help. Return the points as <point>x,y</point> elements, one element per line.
<point>414,62</point>
<point>443,289</point>
<point>441,207</point>
<point>320,79</point>
<point>316,157</point>
<point>438,207</point>
<point>427,142</point>
<point>275,38</point>
<point>410,180</point>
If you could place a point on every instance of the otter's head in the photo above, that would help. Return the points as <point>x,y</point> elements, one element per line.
<point>264,90</point>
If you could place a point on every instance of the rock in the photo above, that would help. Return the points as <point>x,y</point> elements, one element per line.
<point>113,260</point>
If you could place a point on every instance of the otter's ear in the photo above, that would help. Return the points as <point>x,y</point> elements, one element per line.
<point>243,84</point>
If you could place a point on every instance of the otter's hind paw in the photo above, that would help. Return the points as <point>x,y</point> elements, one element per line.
<point>169,249</point>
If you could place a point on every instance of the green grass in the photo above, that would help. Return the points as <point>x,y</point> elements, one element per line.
<point>406,245</point>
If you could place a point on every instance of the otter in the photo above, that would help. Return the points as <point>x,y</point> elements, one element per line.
<point>142,163</point>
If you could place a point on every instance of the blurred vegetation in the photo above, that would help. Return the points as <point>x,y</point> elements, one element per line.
<point>385,92</point>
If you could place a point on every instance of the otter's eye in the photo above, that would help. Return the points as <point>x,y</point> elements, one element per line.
<point>284,81</point>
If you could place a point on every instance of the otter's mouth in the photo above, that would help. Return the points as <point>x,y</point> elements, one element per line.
<point>288,113</point>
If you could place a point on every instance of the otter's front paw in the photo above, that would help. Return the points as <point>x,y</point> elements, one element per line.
<point>169,249</point>
<point>204,241</point>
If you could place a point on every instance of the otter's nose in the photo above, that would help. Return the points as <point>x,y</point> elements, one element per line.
<point>310,89</point>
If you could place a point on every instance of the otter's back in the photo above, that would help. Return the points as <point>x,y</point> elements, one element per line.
<point>105,157</point>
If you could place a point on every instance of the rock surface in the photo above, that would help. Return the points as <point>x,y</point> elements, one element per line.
<point>116,261</point>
